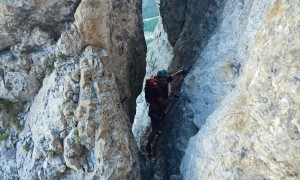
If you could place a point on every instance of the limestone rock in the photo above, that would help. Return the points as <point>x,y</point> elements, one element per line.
<point>122,40</point>
<point>251,130</point>
<point>49,70</point>
<point>73,150</point>
<point>173,16</point>
<point>70,143</point>
<point>157,58</point>
<point>18,17</point>
<point>70,42</point>
<point>242,92</point>
<point>189,25</point>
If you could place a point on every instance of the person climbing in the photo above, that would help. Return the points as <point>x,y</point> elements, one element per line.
<point>157,96</point>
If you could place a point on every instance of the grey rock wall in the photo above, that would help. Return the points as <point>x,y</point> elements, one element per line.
<point>81,136</point>
<point>253,131</point>
<point>118,29</point>
<point>241,93</point>
<point>199,21</point>
<point>18,18</point>
<point>173,17</point>
<point>158,57</point>
<point>189,24</point>
<point>65,67</point>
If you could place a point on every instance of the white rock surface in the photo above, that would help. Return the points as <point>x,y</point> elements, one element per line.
<point>247,82</point>
<point>244,88</point>
<point>117,28</point>
<point>64,118</point>
<point>18,18</point>
<point>82,136</point>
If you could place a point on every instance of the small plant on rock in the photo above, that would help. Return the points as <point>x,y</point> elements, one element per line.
<point>51,153</point>
<point>62,57</point>
<point>26,147</point>
<point>3,136</point>
<point>5,104</point>
<point>76,133</point>
<point>16,124</point>
<point>49,69</point>
<point>16,177</point>
<point>152,65</point>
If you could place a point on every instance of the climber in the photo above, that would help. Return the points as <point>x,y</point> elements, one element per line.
<point>157,95</point>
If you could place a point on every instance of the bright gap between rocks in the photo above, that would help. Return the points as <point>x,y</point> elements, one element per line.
<point>150,14</point>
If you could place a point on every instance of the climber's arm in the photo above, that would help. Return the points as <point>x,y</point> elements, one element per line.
<point>179,74</point>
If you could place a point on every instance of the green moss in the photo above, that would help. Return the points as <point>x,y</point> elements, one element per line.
<point>76,133</point>
<point>15,123</point>
<point>5,105</point>
<point>51,153</point>
<point>62,57</point>
<point>16,178</point>
<point>4,136</point>
<point>49,69</point>
<point>26,147</point>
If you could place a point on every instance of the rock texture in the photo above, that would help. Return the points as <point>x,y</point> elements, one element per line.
<point>18,18</point>
<point>189,24</point>
<point>254,129</point>
<point>242,91</point>
<point>200,19</point>
<point>70,73</point>
<point>173,13</point>
<point>158,57</point>
<point>118,29</point>
<point>82,134</point>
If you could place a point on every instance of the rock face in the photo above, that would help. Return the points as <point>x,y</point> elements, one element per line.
<point>70,72</point>
<point>18,18</point>
<point>69,75</point>
<point>123,39</point>
<point>254,130</point>
<point>157,58</point>
<point>83,134</point>
<point>199,21</point>
<point>173,16</point>
<point>189,25</point>
<point>242,92</point>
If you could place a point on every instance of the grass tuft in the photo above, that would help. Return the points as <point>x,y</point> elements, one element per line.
<point>51,153</point>
<point>49,69</point>
<point>5,104</point>
<point>62,57</point>
<point>26,147</point>
<point>16,124</point>
<point>76,133</point>
<point>3,136</point>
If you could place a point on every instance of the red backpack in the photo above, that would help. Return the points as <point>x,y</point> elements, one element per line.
<point>152,82</point>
